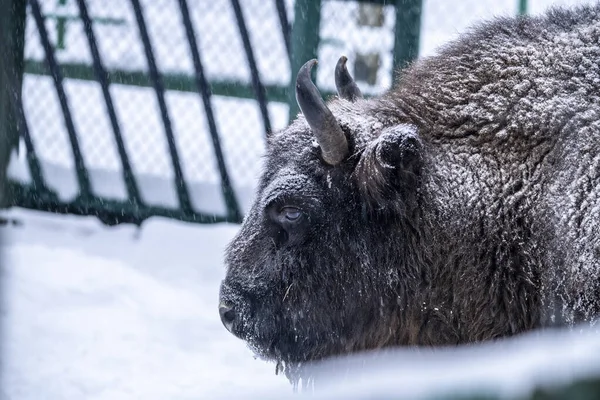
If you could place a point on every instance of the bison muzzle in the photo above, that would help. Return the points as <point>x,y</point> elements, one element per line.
<point>462,205</point>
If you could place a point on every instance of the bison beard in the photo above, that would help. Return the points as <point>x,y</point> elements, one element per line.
<point>461,206</point>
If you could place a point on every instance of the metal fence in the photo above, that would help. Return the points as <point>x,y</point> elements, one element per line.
<point>132,109</point>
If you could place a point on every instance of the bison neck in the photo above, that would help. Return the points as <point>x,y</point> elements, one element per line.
<point>480,272</point>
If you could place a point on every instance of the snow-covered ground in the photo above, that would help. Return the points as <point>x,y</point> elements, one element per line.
<point>91,312</point>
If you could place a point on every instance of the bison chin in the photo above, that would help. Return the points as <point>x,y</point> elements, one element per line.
<point>291,333</point>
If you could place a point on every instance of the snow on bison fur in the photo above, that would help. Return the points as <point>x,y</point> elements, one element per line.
<point>461,206</point>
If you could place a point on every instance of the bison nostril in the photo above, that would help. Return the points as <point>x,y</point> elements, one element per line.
<point>227,315</point>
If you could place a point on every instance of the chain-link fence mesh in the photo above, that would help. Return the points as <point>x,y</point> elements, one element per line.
<point>364,32</point>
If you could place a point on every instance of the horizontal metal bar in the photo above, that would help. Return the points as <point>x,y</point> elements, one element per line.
<point>178,82</point>
<point>99,20</point>
<point>175,82</point>
<point>109,211</point>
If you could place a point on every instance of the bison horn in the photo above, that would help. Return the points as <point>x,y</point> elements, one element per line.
<point>345,85</point>
<point>329,134</point>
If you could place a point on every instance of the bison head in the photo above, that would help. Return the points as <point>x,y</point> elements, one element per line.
<point>320,265</point>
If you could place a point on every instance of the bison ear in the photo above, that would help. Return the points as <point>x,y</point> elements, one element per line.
<point>390,164</point>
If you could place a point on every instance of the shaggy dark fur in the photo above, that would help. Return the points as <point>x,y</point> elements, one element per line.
<point>467,210</point>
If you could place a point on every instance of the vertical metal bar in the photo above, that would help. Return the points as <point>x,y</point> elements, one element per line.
<point>182,191</point>
<point>259,89</point>
<point>522,7</point>
<point>80,169</point>
<point>102,76</point>
<point>407,33</point>
<point>14,98</point>
<point>304,43</point>
<point>285,25</point>
<point>61,28</point>
<point>32,161</point>
<point>12,37</point>
<point>233,211</point>
<point>34,165</point>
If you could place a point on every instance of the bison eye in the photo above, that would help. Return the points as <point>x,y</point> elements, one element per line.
<point>291,213</point>
<point>287,227</point>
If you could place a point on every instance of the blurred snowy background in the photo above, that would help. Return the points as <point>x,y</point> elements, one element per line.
<point>92,312</point>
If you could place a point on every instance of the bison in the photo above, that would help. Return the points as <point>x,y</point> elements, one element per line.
<point>462,205</point>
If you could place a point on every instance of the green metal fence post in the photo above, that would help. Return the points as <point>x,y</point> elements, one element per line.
<point>407,32</point>
<point>522,7</point>
<point>61,27</point>
<point>304,43</point>
<point>12,38</point>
